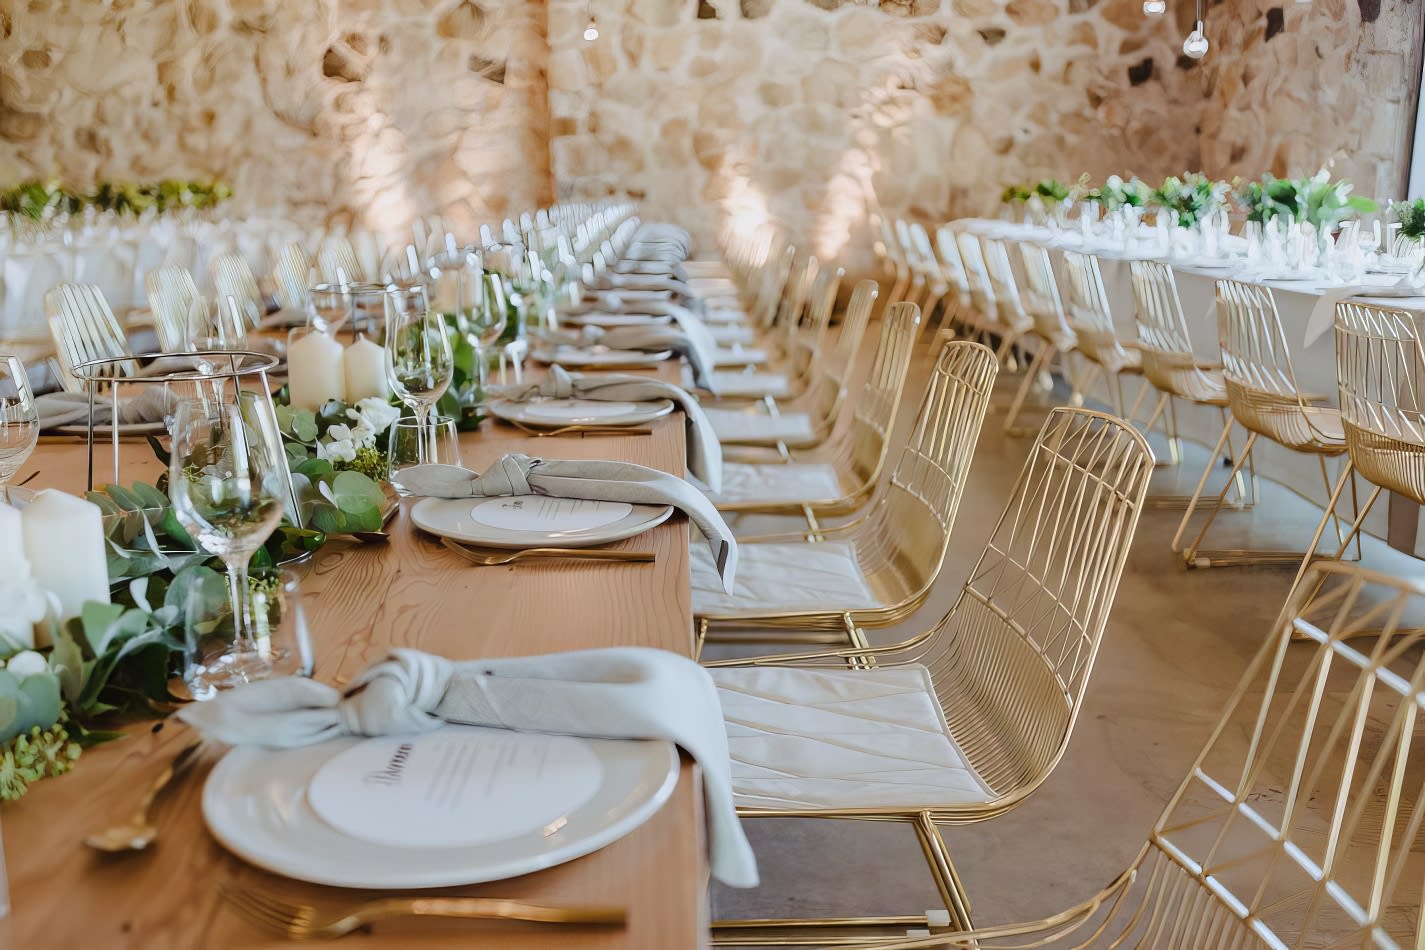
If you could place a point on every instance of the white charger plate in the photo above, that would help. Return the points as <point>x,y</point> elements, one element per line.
<point>452,518</point>
<point>617,319</point>
<point>256,804</point>
<point>598,356</point>
<point>553,413</point>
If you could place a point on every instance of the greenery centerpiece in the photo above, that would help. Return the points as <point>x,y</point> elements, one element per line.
<point>1411,215</point>
<point>1191,198</point>
<point>1317,200</point>
<point>37,200</point>
<point>1116,193</point>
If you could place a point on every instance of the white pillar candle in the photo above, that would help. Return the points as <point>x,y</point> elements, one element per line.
<point>314,370</point>
<point>365,366</point>
<point>64,542</point>
<point>13,564</point>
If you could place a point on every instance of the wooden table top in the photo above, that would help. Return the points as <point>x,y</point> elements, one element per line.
<point>362,600</point>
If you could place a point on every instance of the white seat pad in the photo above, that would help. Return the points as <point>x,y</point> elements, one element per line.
<point>739,357</point>
<point>733,425</point>
<point>803,738</point>
<point>777,578</point>
<point>751,385</point>
<point>810,481</point>
<point>723,314</point>
<point>727,334</point>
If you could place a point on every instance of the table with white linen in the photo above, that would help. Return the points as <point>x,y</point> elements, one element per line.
<point>1313,353</point>
<point>363,600</point>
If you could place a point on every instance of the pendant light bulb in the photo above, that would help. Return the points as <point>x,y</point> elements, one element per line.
<point>591,32</point>
<point>1155,7</point>
<point>1196,45</point>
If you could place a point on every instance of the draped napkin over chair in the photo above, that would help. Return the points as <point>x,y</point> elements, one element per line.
<point>589,480</point>
<point>704,450</point>
<point>615,693</point>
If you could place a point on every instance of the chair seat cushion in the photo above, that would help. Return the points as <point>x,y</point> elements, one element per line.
<point>740,357</point>
<point>733,425</point>
<point>812,739</point>
<point>730,333</point>
<point>774,484</point>
<point>728,313</point>
<point>782,578</point>
<point>734,385</point>
<point>1327,423</point>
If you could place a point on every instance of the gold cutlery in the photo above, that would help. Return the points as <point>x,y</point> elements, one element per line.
<point>486,558</point>
<point>302,921</point>
<point>582,430</point>
<point>139,830</point>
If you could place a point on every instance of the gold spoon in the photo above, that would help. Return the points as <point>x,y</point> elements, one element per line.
<point>139,830</point>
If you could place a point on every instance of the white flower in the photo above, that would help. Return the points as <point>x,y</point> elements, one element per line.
<point>22,605</point>
<point>338,446</point>
<point>375,413</point>
<point>27,663</point>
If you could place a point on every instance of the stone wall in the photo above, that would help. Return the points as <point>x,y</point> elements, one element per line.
<point>374,110</point>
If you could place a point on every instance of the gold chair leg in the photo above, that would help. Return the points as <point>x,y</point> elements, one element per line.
<point>1347,474</point>
<point>947,879</point>
<point>1022,394</point>
<point>1196,496</point>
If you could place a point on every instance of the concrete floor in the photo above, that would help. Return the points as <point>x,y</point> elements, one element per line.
<point>1175,647</point>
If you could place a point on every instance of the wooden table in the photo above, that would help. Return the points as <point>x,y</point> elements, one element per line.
<point>364,599</point>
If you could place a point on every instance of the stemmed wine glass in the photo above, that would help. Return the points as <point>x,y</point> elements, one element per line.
<point>19,420</point>
<point>228,493</point>
<point>419,361</point>
<point>479,314</point>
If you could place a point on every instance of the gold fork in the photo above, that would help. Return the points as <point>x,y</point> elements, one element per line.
<point>301,921</point>
<point>493,558</point>
<point>583,430</point>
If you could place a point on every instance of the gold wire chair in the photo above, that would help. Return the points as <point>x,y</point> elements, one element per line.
<point>337,261</point>
<point>1300,823</point>
<point>807,420</point>
<point>1092,321</point>
<point>959,301</point>
<point>172,295</point>
<point>964,722</point>
<point>931,277</point>
<point>84,329</point>
<point>821,586</point>
<point>1380,374</point>
<point>1265,399</point>
<point>896,240</point>
<point>293,277</point>
<point>1011,320</point>
<point>1050,327</point>
<point>838,476</point>
<point>983,314</point>
<point>232,277</point>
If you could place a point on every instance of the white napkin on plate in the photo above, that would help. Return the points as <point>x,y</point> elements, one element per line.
<point>704,450</point>
<point>616,693</point>
<point>1323,315</point>
<point>699,351</point>
<point>587,479</point>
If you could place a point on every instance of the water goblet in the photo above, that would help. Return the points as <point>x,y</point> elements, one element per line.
<point>276,640</point>
<point>19,420</point>
<point>419,360</point>
<point>411,442</point>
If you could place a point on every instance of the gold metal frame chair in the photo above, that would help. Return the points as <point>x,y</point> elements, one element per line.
<point>337,261</point>
<point>1300,822</point>
<point>292,275</point>
<point>1265,399</point>
<point>233,277</point>
<point>172,294</point>
<point>899,542</point>
<point>84,329</point>
<point>1011,322</point>
<point>856,452</point>
<point>1050,327</point>
<point>959,304</point>
<point>1092,322</point>
<point>983,315</point>
<point>932,277</point>
<point>1008,668</point>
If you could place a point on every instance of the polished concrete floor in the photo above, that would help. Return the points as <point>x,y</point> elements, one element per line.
<point>1174,649</point>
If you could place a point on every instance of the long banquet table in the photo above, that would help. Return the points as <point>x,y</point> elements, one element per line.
<point>1313,355</point>
<point>362,600</point>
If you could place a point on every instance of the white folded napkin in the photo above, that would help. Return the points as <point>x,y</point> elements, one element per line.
<point>616,693</point>
<point>67,409</point>
<point>587,479</point>
<point>1323,314</point>
<point>704,451</point>
<point>699,351</point>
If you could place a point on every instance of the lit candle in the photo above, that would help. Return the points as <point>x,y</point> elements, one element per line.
<point>365,366</point>
<point>314,369</point>
<point>64,541</point>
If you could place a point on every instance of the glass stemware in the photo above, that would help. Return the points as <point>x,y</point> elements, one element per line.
<point>19,420</point>
<point>419,360</point>
<point>278,642</point>
<point>479,314</point>
<point>229,495</point>
<point>329,307</point>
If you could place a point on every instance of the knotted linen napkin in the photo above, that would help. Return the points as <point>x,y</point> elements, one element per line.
<point>636,282</point>
<point>699,351</point>
<point>704,450</point>
<point>614,693</point>
<point>66,408</point>
<point>590,480</point>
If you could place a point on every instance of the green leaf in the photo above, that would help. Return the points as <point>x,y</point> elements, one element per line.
<point>123,497</point>
<point>150,496</point>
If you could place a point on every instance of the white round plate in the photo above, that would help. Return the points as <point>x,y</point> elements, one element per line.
<point>1215,264</point>
<point>104,429</point>
<point>453,518</point>
<point>256,804</point>
<point>552,413</point>
<point>598,356</point>
<point>617,319</point>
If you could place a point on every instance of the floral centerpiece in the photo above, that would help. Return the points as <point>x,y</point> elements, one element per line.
<point>1116,193</point>
<point>1015,194</point>
<point>1411,215</point>
<point>1317,200</point>
<point>1191,197</point>
<point>36,199</point>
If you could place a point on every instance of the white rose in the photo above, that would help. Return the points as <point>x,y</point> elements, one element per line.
<point>342,450</point>
<point>375,413</point>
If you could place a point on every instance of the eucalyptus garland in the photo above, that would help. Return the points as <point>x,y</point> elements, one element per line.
<point>37,200</point>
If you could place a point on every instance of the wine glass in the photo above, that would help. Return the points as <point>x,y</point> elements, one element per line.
<point>419,361</point>
<point>278,642</point>
<point>479,313</point>
<point>19,420</point>
<point>329,306</point>
<point>228,494</point>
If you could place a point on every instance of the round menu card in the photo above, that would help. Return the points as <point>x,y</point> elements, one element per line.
<point>543,513</point>
<point>455,787</point>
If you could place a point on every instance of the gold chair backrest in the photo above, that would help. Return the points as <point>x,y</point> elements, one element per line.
<point>1003,284</point>
<point>1257,365</point>
<point>910,527</point>
<point>1041,295</point>
<point>1380,375</point>
<point>830,373</point>
<point>1013,657</point>
<point>972,258</point>
<point>923,257</point>
<point>1088,310</point>
<point>1163,337</point>
<point>877,402</point>
<point>807,336</point>
<point>776,279</point>
<point>293,277</point>
<point>84,329</point>
<point>338,264</point>
<point>171,298</point>
<point>789,309</point>
<point>232,277</point>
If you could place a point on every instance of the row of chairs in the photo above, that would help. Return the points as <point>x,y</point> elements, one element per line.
<point>963,722</point>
